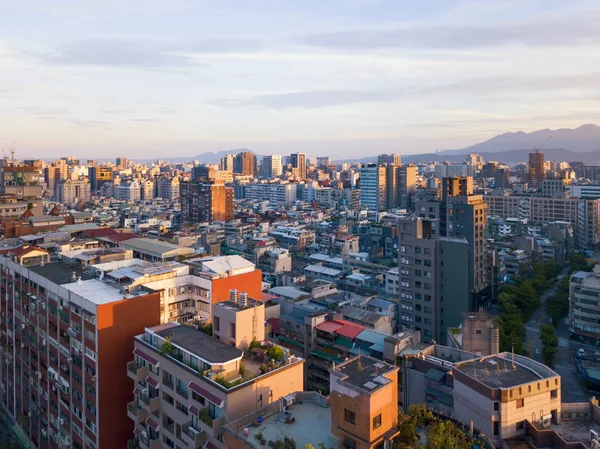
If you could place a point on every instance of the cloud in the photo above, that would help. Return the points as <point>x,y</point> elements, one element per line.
<point>143,54</point>
<point>551,32</point>
<point>147,120</point>
<point>481,87</point>
<point>78,123</point>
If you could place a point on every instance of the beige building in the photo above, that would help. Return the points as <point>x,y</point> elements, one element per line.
<point>187,385</point>
<point>239,321</point>
<point>499,393</point>
<point>364,403</point>
<point>69,191</point>
<point>479,334</point>
<point>584,305</point>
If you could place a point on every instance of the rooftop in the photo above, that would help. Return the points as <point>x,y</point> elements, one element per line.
<point>497,372</point>
<point>96,291</point>
<point>236,306</point>
<point>155,246</point>
<point>61,273</point>
<point>365,373</point>
<point>231,265</point>
<point>356,313</point>
<point>200,344</point>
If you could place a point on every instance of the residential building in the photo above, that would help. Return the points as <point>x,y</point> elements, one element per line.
<point>69,191</point>
<point>187,385</point>
<point>536,172</point>
<point>584,305</point>
<point>205,203</point>
<point>274,192</point>
<point>227,163</point>
<point>271,166</point>
<point>406,185</point>
<point>146,190</point>
<point>373,188</point>
<point>99,176</point>
<point>64,331</point>
<point>168,188</point>
<point>554,187</point>
<point>245,164</point>
<point>129,191</point>
<point>121,162</point>
<point>389,159</point>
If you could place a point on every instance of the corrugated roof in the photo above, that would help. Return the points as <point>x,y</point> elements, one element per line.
<point>329,326</point>
<point>349,329</point>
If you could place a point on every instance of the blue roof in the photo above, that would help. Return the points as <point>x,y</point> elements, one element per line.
<point>297,315</point>
<point>378,302</point>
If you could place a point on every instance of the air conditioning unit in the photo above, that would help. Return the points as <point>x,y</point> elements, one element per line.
<point>144,434</point>
<point>22,345</point>
<point>53,387</point>
<point>61,421</point>
<point>43,342</point>
<point>44,432</point>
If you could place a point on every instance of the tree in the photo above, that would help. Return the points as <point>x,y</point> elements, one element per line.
<point>578,262</point>
<point>549,342</point>
<point>167,347</point>
<point>207,328</point>
<point>276,353</point>
<point>446,435</point>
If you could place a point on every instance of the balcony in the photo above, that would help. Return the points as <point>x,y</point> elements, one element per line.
<point>150,404</point>
<point>148,443</point>
<point>135,413</point>
<point>192,436</point>
<point>136,372</point>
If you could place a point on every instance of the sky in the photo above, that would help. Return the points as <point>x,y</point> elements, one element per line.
<point>343,78</point>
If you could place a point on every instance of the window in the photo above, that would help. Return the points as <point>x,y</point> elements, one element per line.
<point>349,416</point>
<point>217,323</point>
<point>478,332</point>
<point>520,403</point>
<point>521,425</point>
<point>496,428</point>
<point>377,421</point>
<point>496,406</point>
<point>553,394</point>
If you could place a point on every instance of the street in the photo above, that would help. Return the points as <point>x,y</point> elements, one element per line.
<point>572,388</point>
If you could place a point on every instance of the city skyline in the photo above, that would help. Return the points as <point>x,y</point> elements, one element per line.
<point>336,78</point>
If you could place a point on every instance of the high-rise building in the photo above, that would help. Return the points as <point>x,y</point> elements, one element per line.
<point>56,172</point>
<point>129,191</point>
<point>502,178</point>
<point>66,333</point>
<point>323,161</point>
<point>406,185</point>
<point>536,173</point>
<point>298,160</point>
<point>373,187</point>
<point>389,159</point>
<point>464,215</point>
<point>99,176</point>
<point>227,163</point>
<point>489,170</point>
<point>434,278</point>
<point>245,164</point>
<point>271,166</point>
<point>205,203</point>
<point>584,309</point>
<point>168,188</point>
<point>70,191</point>
<point>121,162</point>
<point>146,189</point>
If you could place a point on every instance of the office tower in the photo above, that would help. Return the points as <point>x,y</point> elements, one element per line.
<point>227,163</point>
<point>536,173</point>
<point>462,214</point>
<point>406,185</point>
<point>271,167</point>
<point>391,185</point>
<point>245,164</point>
<point>373,190</point>
<point>502,178</point>
<point>205,203</point>
<point>298,160</point>
<point>204,173</point>
<point>121,162</point>
<point>70,191</point>
<point>99,176</point>
<point>389,159</point>
<point>66,335</point>
<point>433,276</point>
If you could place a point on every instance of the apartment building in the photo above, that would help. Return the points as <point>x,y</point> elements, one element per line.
<point>129,191</point>
<point>71,191</point>
<point>293,237</point>
<point>433,279</point>
<point>271,167</point>
<point>187,385</point>
<point>205,203</point>
<point>168,188</point>
<point>584,305</point>
<point>373,188</point>
<point>582,214</point>
<point>274,192</point>
<point>64,330</point>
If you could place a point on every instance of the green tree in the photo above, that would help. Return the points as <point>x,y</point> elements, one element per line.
<point>276,353</point>
<point>445,434</point>
<point>578,262</point>
<point>549,342</point>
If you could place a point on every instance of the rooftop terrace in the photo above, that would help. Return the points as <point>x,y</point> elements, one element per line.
<point>498,372</point>
<point>365,373</point>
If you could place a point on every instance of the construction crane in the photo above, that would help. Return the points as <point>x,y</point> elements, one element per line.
<point>10,149</point>
<point>538,148</point>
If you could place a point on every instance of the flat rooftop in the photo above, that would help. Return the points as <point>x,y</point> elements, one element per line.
<point>312,425</point>
<point>365,373</point>
<point>236,306</point>
<point>197,342</point>
<point>576,430</point>
<point>497,372</point>
<point>60,273</point>
<point>96,291</point>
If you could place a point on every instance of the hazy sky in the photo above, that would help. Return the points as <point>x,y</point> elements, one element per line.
<point>331,77</point>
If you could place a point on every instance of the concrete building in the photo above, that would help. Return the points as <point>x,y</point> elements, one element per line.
<point>168,188</point>
<point>146,190</point>
<point>536,172</point>
<point>99,176</point>
<point>373,188</point>
<point>554,187</point>
<point>64,332</point>
<point>245,164</point>
<point>274,192</point>
<point>187,385</point>
<point>298,161</point>
<point>389,159</point>
<point>271,166</point>
<point>69,191</point>
<point>427,300</point>
<point>205,203</point>
<point>406,185</point>
<point>584,305</point>
<point>239,321</point>
<point>364,403</point>
<point>129,191</point>
<point>479,334</point>
<point>464,215</point>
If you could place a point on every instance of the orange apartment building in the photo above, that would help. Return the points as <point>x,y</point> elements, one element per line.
<point>64,333</point>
